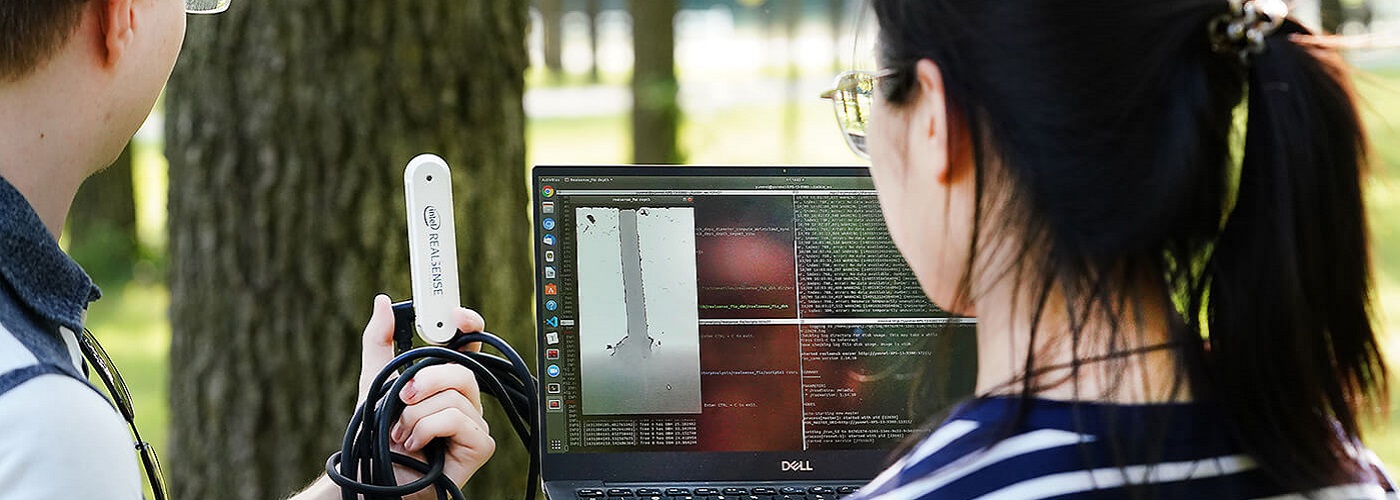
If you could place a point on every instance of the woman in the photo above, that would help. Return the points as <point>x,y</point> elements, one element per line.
<point>1154,209</point>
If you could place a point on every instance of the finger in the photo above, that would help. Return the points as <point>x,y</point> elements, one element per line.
<point>434,404</point>
<point>449,423</point>
<point>469,321</point>
<point>471,445</point>
<point>439,378</point>
<point>440,402</point>
<point>378,348</point>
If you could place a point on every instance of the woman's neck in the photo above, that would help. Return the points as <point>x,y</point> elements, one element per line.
<point>1136,367</point>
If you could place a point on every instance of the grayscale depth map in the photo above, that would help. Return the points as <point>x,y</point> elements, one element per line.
<point>639,333</point>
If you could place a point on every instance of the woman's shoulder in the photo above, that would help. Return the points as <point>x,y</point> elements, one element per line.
<point>1012,448</point>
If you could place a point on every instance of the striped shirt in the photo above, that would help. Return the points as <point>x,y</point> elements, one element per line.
<point>1086,450</point>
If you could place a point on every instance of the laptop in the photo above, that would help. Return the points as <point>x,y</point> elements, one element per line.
<point>719,333</point>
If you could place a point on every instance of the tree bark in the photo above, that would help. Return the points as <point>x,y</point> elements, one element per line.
<point>655,108</point>
<point>792,21</point>
<point>101,225</point>
<point>593,8</point>
<point>836,11</point>
<point>289,123</point>
<point>1332,15</point>
<point>552,16</point>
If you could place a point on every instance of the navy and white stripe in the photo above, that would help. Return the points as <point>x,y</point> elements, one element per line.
<point>1083,450</point>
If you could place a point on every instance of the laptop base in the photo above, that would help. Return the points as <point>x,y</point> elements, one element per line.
<point>598,490</point>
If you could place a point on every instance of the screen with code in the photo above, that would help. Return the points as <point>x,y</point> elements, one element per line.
<point>730,313</point>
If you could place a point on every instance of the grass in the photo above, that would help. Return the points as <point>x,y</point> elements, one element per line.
<point>133,324</point>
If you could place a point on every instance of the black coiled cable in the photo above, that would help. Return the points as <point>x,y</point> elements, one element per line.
<point>364,466</point>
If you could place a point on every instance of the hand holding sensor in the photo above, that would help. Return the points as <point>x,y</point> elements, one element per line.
<point>364,466</point>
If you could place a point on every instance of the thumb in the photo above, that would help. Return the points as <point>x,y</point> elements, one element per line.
<point>378,347</point>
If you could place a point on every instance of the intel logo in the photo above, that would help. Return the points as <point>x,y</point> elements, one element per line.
<point>430,216</point>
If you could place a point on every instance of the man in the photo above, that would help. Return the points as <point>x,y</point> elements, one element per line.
<point>77,78</point>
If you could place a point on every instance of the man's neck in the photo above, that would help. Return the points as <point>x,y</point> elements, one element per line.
<point>48,147</point>
<point>46,188</point>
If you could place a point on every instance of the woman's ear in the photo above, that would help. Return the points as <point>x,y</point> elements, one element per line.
<point>928,124</point>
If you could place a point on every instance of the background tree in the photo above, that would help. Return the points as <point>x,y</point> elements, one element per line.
<point>1332,15</point>
<point>656,110</point>
<point>836,15</point>
<point>792,23</point>
<point>592,8</point>
<point>1337,13</point>
<point>289,123</point>
<point>101,226</point>
<point>552,17</point>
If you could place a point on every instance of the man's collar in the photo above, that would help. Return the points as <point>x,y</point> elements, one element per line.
<point>34,267</point>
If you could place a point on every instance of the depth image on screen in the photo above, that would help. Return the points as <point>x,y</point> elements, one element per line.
<point>639,338</point>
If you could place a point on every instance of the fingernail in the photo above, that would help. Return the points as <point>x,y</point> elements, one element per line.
<point>411,445</point>
<point>394,433</point>
<point>408,392</point>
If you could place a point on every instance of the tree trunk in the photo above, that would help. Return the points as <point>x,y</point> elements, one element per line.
<point>593,8</point>
<point>836,10</point>
<point>289,124</point>
<point>552,16</point>
<point>792,21</point>
<point>101,225</point>
<point>1332,15</point>
<point>655,110</point>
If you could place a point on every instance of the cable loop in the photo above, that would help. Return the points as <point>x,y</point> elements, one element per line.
<point>364,466</point>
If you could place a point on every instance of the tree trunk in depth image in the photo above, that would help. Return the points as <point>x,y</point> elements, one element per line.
<point>289,124</point>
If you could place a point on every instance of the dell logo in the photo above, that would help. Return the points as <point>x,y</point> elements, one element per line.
<point>797,465</point>
<point>430,217</point>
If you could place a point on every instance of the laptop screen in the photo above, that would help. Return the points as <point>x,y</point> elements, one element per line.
<point>693,310</point>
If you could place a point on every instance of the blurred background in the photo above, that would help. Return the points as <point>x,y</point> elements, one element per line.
<point>230,300</point>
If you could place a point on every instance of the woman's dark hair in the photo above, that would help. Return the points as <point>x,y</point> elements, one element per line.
<point>1104,129</point>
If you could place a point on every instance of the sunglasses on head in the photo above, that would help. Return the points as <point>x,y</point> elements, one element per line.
<point>206,6</point>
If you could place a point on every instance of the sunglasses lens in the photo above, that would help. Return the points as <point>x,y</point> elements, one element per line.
<point>853,99</point>
<point>206,6</point>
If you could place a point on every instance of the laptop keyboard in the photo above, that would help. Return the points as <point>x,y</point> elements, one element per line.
<point>755,493</point>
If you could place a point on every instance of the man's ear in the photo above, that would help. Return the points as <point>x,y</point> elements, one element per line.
<point>929,125</point>
<point>117,20</point>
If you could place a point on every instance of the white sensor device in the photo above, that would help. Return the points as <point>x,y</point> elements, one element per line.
<point>432,247</point>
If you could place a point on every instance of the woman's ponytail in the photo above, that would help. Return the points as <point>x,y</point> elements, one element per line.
<point>1292,351</point>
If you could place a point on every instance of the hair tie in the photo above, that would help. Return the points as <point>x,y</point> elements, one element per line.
<point>1242,30</point>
